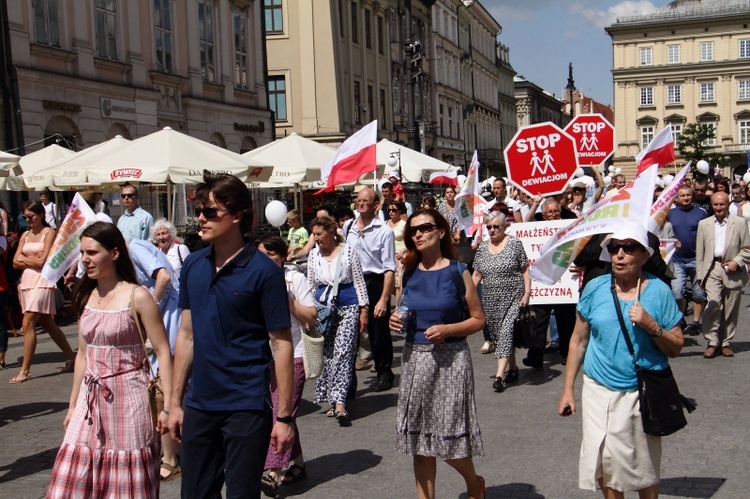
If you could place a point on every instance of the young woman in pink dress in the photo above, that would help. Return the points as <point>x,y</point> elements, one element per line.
<point>111,448</point>
<point>37,294</point>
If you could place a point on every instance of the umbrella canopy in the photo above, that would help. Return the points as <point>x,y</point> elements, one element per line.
<point>170,156</point>
<point>295,159</point>
<point>71,172</point>
<point>8,161</point>
<point>33,162</point>
<point>415,166</point>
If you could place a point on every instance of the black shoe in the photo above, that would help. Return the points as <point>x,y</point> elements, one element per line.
<point>693,329</point>
<point>511,376</point>
<point>528,363</point>
<point>498,384</point>
<point>384,384</point>
<point>551,347</point>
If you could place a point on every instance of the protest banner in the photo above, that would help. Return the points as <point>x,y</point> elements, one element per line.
<point>470,203</point>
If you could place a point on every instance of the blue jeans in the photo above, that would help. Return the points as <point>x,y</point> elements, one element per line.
<point>684,270</point>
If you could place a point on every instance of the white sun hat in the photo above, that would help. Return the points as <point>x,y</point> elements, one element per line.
<point>630,230</point>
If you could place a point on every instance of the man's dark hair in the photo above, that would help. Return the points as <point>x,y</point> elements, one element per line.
<point>386,185</point>
<point>230,192</point>
<point>343,211</point>
<point>128,184</point>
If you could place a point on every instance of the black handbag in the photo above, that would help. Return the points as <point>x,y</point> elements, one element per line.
<point>523,330</point>
<point>660,401</point>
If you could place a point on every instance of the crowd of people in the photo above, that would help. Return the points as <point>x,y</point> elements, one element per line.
<point>223,329</point>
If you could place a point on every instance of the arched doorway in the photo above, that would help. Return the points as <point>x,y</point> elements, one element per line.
<point>218,140</point>
<point>118,129</point>
<point>248,144</point>
<point>62,131</point>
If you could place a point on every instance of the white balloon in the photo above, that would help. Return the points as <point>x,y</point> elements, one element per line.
<point>276,213</point>
<point>611,174</point>
<point>578,173</point>
<point>607,180</point>
<point>618,171</point>
<point>668,179</point>
<point>703,166</point>
<point>746,178</point>
<point>611,168</point>
<point>461,180</point>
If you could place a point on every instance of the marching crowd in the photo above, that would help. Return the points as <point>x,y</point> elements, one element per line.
<point>222,329</point>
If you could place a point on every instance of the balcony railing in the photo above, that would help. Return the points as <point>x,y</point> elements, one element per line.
<point>736,148</point>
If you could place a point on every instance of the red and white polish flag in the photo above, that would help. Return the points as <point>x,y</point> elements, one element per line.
<point>446,177</point>
<point>354,158</point>
<point>659,152</point>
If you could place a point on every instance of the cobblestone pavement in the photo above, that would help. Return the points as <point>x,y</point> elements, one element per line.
<point>530,451</point>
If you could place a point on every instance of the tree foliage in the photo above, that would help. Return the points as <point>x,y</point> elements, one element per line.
<point>692,143</point>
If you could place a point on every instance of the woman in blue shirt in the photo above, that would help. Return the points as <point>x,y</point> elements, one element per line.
<point>615,452</point>
<point>436,409</point>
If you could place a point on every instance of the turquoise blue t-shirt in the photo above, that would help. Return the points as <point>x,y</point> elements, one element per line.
<point>608,360</point>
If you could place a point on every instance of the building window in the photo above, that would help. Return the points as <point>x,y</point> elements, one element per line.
<point>274,16</point>
<point>368,30</point>
<point>676,132</point>
<point>744,89</point>
<point>383,124</point>
<point>744,132</point>
<point>355,31</point>
<point>707,92</point>
<point>450,121</point>
<point>370,101</point>
<point>342,22</point>
<point>277,96</point>
<point>163,35</point>
<point>711,141</point>
<point>646,58</point>
<point>105,12</point>
<point>707,51</point>
<point>673,54</point>
<point>206,40</point>
<point>647,96</point>
<point>47,22</point>
<point>357,104</point>
<point>380,36</point>
<point>674,94</point>
<point>396,91</point>
<point>744,49</point>
<point>441,119</point>
<point>647,135</point>
<point>240,51</point>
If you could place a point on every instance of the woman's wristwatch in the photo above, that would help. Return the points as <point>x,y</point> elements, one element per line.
<point>658,333</point>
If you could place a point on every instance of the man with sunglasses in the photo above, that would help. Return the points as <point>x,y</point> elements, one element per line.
<point>722,253</point>
<point>700,199</point>
<point>685,218</point>
<point>234,300</point>
<point>135,222</point>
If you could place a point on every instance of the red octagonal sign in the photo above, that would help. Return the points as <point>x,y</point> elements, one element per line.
<point>541,159</point>
<point>594,136</point>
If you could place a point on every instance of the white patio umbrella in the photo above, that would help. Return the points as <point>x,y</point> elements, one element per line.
<point>33,162</point>
<point>7,160</point>
<point>71,172</point>
<point>295,159</point>
<point>415,166</point>
<point>168,156</point>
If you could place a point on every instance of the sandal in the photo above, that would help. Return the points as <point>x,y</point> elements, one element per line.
<point>70,366</point>
<point>342,417</point>
<point>174,472</point>
<point>269,486</point>
<point>488,347</point>
<point>294,474</point>
<point>331,412</point>
<point>511,375</point>
<point>480,492</point>
<point>21,377</point>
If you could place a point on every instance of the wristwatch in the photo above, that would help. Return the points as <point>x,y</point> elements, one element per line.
<point>286,419</point>
<point>658,333</point>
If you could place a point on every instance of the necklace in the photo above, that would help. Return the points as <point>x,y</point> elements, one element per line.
<point>114,292</point>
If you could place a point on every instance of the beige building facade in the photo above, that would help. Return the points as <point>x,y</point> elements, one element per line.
<point>687,62</point>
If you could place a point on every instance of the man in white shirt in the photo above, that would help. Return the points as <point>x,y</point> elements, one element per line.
<point>50,210</point>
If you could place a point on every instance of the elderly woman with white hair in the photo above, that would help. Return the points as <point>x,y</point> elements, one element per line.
<point>502,266</point>
<point>164,234</point>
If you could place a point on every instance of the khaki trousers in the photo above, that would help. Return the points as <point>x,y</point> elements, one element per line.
<point>719,330</point>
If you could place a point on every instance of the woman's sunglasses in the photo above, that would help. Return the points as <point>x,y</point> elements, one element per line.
<point>496,227</point>
<point>628,248</point>
<point>208,212</point>
<point>424,229</point>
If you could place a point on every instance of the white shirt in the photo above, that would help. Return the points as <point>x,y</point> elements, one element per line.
<point>298,287</point>
<point>50,214</point>
<point>720,237</point>
<point>375,246</point>
<point>734,206</point>
<point>174,253</point>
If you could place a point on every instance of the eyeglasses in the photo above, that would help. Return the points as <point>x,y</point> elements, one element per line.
<point>495,227</point>
<point>208,212</point>
<point>699,190</point>
<point>29,217</point>
<point>392,209</point>
<point>628,248</point>
<point>131,195</point>
<point>424,229</point>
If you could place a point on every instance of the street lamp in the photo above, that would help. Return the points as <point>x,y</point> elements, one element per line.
<point>395,159</point>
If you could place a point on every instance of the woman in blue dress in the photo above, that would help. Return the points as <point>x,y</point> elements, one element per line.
<point>436,408</point>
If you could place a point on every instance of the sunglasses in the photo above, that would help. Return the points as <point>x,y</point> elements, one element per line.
<point>208,212</point>
<point>29,217</point>
<point>628,248</point>
<point>424,229</point>
<point>392,209</point>
<point>496,227</point>
<point>699,190</point>
<point>123,196</point>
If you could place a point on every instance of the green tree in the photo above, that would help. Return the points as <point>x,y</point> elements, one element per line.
<point>692,144</point>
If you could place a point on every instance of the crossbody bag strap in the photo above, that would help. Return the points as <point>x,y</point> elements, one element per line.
<point>337,273</point>
<point>138,325</point>
<point>624,330</point>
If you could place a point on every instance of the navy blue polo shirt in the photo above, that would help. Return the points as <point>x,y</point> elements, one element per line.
<point>232,312</point>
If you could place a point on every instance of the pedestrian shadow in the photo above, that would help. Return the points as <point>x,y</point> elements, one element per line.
<point>29,465</point>
<point>330,467</point>
<point>46,358</point>
<point>515,490</point>
<point>367,406</point>
<point>306,407</point>
<point>740,346</point>
<point>691,486</point>
<point>535,377</point>
<point>14,413</point>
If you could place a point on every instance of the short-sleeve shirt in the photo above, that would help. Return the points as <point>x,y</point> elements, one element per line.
<point>685,226</point>
<point>607,359</point>
<point>299,287</point>
<point>232,311</point>
<point>298,237</point>
<point>136,225</point>
<point>147,259</point>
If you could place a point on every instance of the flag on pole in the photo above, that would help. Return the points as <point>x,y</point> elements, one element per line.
<point>66,246</point>
<point>470,203</point>
<point>663,203</point>
<point>660,151</point>
<point>446,177</point>
<point>354,158</point>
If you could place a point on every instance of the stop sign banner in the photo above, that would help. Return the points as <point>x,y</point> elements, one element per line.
<point>541,159</point>
<point>594,136</point>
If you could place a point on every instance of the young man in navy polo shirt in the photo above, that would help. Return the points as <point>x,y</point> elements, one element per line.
<point>233,299</point>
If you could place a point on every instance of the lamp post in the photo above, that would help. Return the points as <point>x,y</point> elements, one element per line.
<point>395,159</point>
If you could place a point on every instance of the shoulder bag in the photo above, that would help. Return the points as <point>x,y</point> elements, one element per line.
<point>312,347</point>
<point>155,393</point>
<point>328,317</point>
<point>523,330</point>
<point>661,403</point>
